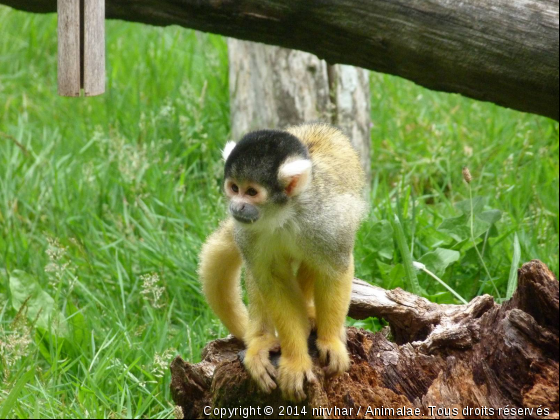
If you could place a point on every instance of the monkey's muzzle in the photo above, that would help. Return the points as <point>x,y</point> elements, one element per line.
<point>244,212</point>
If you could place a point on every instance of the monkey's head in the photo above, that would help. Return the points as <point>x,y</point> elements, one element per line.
<point>263,174</point>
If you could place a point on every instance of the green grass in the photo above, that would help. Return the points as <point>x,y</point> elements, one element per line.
<point>110,191</point>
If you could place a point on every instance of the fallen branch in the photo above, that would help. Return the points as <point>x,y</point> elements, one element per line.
<point>503,51</point>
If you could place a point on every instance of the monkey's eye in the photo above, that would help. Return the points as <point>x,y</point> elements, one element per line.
<point>252,192</point>
<point>234,188</point>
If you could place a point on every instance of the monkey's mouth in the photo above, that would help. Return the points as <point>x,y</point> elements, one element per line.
<point>245,220</point>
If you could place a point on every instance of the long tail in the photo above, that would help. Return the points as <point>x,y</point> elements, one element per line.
<point>220,272</point>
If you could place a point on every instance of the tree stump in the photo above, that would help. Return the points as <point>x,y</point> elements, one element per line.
<point>480,360</point>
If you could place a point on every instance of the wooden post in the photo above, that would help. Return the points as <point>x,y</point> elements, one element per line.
<point>94,47</point>
<point>81,47</point>
<point>350,95</point>
<point>69,48</point>
<point>273,87</point>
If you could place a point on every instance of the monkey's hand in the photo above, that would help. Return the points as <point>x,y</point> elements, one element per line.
<point>292,374</point>
<point>333,355</point>
<point>257,362</point>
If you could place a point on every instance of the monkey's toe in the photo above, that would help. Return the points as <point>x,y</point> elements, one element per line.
<point>262,371</point>
<point>334,356</point>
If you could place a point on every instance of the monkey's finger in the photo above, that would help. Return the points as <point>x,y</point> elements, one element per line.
<point>263,359</point>
<point>338,363</point>
<point>268,374</point>
<point>270,369</point>
<point>329,366</point>
<point>269,385</point>
<point>265,383</point>
<point>323,355</point>
<point>331,370</point>
<point>294,395</point>
<point>300,395</point>
<point>311,378</point>
<point>324,358</point>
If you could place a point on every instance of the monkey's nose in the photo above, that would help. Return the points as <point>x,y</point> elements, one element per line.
<point>244,212</point>
<point>237,207</point>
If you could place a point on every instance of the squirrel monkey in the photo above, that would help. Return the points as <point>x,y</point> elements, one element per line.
<point>295,200</point>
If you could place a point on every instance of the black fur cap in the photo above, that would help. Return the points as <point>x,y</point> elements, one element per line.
<point>258,156</point>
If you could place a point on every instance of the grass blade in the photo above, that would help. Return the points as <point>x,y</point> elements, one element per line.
<point>406,257</point>
<point>422,267</point>
<point>10,402</point>
<point>512,282</point>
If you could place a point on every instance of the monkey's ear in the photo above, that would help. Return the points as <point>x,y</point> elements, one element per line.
<point>295,175</point>
<point>227,149</point>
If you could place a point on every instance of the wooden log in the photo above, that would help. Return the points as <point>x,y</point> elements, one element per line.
<point>503,51</point>
<point>438,361</point>
<point>69,53</point>
<point>273,87</point>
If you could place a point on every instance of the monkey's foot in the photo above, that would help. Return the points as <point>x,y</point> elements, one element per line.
<point>334,356</point>
<point>291,377</point>
<point>261,370</point>
<point>258,364</point>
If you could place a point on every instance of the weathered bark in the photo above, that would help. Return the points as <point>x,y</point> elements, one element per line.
<point>350,95</point>
<point>503,51</point>
<point>481,356</point>
<point>274,87</point>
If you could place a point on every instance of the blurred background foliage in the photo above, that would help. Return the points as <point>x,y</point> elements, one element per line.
<point>105,201</point>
